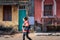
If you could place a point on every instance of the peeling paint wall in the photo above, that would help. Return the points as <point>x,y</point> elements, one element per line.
<point>14,21</point>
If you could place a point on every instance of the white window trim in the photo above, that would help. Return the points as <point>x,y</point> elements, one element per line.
<point>42,7</point>
<point>54,9</point>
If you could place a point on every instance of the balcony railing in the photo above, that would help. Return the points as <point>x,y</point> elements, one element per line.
<point>8,1</point>
<point>11,2</point>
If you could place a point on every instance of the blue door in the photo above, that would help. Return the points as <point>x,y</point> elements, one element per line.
<point>22,14</point>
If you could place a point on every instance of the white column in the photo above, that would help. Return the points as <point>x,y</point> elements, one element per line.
<point>42,8</point>
<point>54,8</point>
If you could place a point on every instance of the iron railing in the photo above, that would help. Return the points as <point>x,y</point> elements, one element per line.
<point>11,2</point>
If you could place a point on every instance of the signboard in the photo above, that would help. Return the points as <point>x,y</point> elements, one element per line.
<point>31,20</point>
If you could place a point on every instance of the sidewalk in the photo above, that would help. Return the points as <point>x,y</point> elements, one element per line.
<point>19,36</point>
<point>33,34</point>
<point>47,34</point>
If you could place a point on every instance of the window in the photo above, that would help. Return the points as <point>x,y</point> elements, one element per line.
<point>31,12</point>
<point>31,8</point>
<point>22,7</point>
<point>7,13</point>
<point>48,10</point>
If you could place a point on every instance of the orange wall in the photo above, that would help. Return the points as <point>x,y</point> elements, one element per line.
<point>38,10</point>
<point>48,2</point>
<point>58,8</point>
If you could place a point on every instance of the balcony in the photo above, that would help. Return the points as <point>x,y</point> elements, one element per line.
<point>48,17</point>
<point>11,2</point>
<point>8,2</point>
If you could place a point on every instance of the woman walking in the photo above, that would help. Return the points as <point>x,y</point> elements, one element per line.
<point>26,28</point>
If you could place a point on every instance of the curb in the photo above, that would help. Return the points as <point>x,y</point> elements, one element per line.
<point>47,34</point>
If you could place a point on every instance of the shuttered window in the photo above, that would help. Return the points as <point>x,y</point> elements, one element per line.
<point>48,10</point>
<point>7,13</point>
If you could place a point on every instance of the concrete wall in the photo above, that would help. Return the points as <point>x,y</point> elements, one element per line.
<point>14,21</point>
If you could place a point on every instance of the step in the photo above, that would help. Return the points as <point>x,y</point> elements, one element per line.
<point>47,34</point>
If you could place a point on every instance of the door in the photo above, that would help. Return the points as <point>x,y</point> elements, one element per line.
<point>22,14</point>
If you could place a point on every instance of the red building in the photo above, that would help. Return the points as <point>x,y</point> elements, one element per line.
<point>47,13</point>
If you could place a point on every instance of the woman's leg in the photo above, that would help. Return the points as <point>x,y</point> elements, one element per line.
<point>27,35</point>
<point>23,35</point>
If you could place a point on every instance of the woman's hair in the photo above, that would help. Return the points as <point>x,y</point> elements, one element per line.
<point>26,18</point>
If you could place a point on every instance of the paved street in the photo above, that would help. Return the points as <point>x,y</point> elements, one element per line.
<point>32,35</point>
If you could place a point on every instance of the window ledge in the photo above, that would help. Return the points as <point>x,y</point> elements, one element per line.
<point>48,16</point>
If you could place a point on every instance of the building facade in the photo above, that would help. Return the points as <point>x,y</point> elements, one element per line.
<point>12,13</point>
<point>47,13</point>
